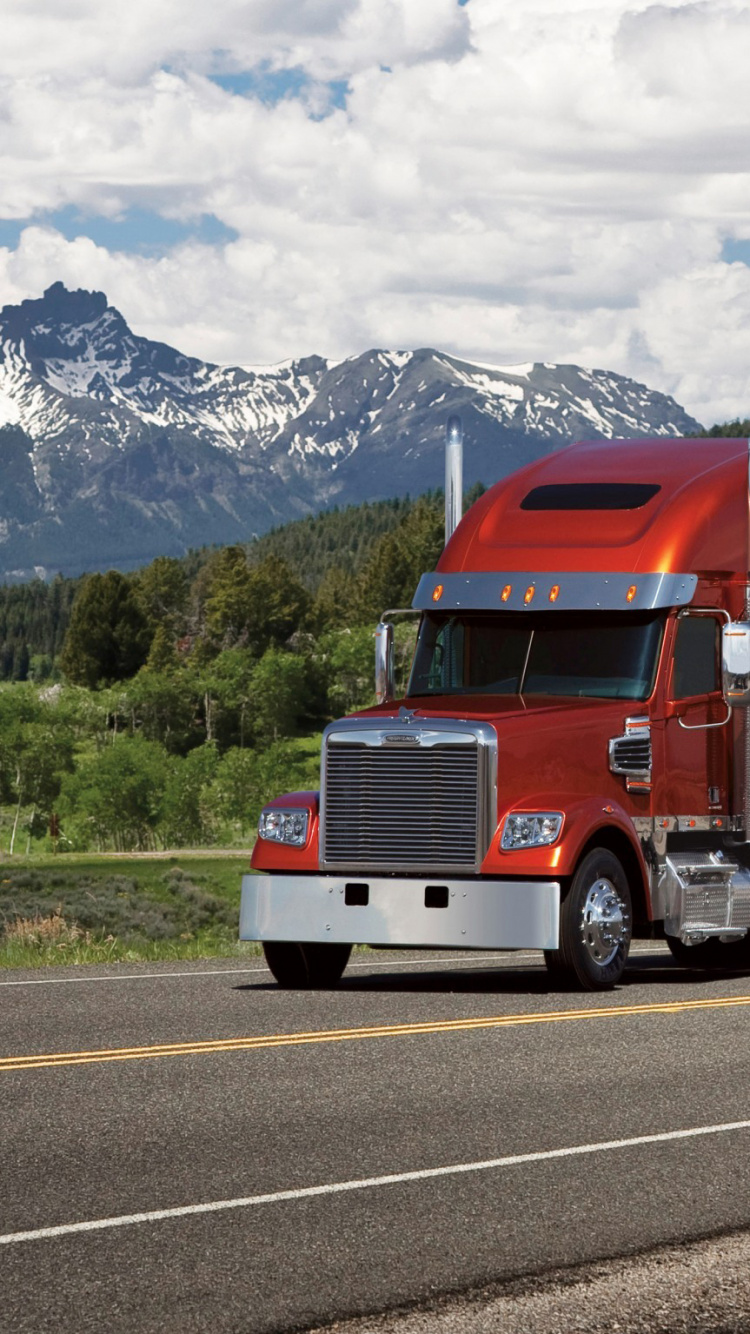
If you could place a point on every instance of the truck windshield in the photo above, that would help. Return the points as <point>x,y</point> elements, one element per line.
<point>600,654</point>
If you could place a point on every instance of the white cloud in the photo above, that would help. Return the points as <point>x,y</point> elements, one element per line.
<point>552,180</point>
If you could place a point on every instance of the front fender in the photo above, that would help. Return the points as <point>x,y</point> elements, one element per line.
<point>584,818</point>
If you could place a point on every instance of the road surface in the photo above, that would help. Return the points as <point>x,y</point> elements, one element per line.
<point>187,1147</point>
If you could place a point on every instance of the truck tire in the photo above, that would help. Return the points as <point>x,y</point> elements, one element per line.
<point>306,966</point>
<point>718,955</point>
<point>595,925</point>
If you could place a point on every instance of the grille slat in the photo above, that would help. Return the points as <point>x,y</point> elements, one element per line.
<point>415,807</point>
<point>633,754</point>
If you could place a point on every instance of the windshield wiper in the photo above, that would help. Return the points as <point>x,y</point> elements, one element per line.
<point>526,663</point>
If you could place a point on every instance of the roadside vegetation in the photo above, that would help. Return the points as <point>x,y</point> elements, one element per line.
<point>102,910</point>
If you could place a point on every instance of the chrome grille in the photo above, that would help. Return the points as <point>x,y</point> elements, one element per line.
<point>632,754</point>
<point>401,807</point>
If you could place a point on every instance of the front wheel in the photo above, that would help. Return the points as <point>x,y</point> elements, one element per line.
<point>306,966</point>
<point>595,925</point>
<point>712,955</point>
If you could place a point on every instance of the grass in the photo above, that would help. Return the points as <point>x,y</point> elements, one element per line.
<point>89,909</point>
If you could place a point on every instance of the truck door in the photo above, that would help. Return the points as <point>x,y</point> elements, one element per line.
<point>697,743</point>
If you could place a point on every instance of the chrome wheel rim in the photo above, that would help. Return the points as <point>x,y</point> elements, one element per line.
<point>605,924</point>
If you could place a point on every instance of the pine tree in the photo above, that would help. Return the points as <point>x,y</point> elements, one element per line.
<point>108,638</point>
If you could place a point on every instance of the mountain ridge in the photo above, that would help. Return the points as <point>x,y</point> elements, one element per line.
<point>117,448</point>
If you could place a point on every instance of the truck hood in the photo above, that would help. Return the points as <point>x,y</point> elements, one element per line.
<point>546,744</point>
<point>501,710</point>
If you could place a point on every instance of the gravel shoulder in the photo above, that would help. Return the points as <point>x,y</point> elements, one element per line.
<point>699,1288</point>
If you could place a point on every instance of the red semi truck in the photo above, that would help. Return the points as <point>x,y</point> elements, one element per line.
<point>570,765</point>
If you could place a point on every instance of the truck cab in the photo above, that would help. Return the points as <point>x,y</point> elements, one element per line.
<point>568,768</point>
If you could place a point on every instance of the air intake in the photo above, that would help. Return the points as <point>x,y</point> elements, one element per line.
<point>630,755</point>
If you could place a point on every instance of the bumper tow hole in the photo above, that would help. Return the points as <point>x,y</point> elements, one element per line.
<point>436,896</point>
<point>356,896</point>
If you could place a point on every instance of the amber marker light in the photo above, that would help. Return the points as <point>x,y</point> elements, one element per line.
<point>554,593</point>
<point>631,592</point>
<point>438,593</point>
<point>528,595</point>
<point>506,592</point>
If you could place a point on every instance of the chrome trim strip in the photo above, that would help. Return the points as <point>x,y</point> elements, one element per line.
<point>578,591</point>
<point>430,732</point>
<point>481,914</point>
<point>647,825</point>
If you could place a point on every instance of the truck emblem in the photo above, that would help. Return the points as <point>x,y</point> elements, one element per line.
<point>402,739</point>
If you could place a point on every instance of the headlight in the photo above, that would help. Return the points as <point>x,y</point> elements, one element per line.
<point>531,830</point>
<point>284,826</point>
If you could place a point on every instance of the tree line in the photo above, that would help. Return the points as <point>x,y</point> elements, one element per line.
<point>180,699</point>
<point>34,616</point>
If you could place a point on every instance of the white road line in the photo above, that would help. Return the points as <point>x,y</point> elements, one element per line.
<point>126,977</point>
<point>503,959</point>
<point>260,968</point>
<point>365,1183</point>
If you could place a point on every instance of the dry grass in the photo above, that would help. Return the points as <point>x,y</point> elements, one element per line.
<point>44,930</point>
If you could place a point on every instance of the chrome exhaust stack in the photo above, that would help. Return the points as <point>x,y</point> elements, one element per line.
<point>454,470</point>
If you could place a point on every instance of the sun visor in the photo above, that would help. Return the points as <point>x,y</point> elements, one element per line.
<point>577,591</point>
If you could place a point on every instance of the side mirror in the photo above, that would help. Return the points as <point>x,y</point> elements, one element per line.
<point>385,681</point>
<point>735,664</point>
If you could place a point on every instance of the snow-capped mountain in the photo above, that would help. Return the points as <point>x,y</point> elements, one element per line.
<point>116,448</point>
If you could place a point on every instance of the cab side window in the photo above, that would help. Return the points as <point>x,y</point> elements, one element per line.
<point>696,657</point>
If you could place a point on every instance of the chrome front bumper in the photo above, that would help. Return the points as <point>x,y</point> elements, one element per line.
<point>480,914</point>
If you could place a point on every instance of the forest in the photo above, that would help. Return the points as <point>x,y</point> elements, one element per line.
<point>162,708</point>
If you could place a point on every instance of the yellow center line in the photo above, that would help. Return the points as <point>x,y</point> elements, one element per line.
<point>261,1042</point>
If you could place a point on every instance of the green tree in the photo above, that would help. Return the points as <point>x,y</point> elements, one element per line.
<point>334,600</point>
<point>163,706</point>
<point>189,814</point>
<point>247,779</point>
<point>162,655</point>
<point>34,753</point>
<point>252,607</point>
<point>119,794</point>
<point>227,690</point>
<point>348,657</point>
<point>736,430</point>
<point>391,575</point>
<point>278,695</point>
<point>227,604</point>
<point>162,592</point>
<point>108,637</point>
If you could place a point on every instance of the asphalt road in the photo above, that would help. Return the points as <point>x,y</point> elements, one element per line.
<point>188,1148</point>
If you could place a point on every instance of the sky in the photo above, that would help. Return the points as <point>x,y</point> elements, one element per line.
<point>505,180</point>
